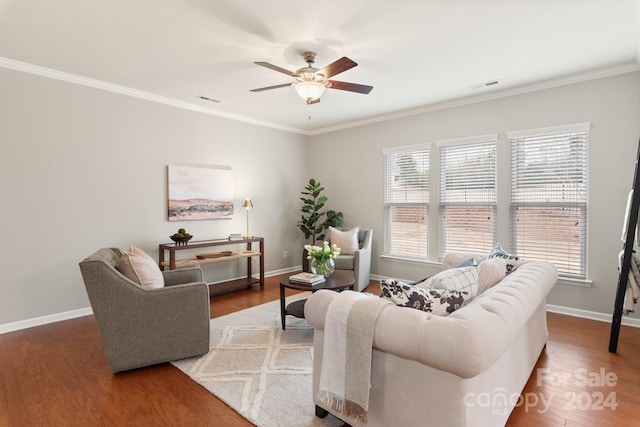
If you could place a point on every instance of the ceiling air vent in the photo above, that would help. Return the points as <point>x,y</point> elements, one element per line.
<point>206,98</point>
<point>485,84</point>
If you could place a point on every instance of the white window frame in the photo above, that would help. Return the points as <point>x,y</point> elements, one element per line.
<point>456,238</point>
<point>416,246</point>
<point>569,204</point>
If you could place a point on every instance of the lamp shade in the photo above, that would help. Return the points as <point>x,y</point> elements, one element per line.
<point>309,90</point>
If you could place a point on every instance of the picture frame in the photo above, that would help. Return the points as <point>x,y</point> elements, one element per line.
<point>199,192</point>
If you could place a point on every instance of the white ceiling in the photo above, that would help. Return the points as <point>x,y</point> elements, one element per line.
<point>416,53</point>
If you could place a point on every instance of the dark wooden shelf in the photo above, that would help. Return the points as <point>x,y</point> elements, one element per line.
<point>174,263</point>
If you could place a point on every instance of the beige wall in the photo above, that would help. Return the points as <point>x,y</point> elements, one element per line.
<point>353,171</point>
<point>83,168</point>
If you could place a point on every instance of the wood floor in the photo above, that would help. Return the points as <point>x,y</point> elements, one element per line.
<point>57,375</point>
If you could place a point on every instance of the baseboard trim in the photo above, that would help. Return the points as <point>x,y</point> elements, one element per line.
<point>39,321</point>
<point>67,315</point>
<point>283,271</point>
<point>592,315</point>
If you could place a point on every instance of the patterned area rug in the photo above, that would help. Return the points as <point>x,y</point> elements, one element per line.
<point>259,370</point>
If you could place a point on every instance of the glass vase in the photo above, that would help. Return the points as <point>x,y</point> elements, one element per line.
<point>323,267</point>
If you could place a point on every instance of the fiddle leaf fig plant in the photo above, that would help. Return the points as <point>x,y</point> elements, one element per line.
<point>314,222</point>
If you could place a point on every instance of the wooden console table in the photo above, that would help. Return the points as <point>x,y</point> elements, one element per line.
<point>174,263</point>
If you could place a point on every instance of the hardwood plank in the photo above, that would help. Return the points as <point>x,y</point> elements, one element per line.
<point>57,374</point>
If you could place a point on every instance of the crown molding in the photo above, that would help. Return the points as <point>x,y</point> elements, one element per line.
<point>468,100</point>
<point>135,93</point>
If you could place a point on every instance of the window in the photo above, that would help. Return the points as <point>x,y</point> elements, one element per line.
<point>406,202</point>
<point>549,196</point>
<point>467,217</point>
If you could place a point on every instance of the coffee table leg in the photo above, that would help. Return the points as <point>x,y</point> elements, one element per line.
<point>282,313</point>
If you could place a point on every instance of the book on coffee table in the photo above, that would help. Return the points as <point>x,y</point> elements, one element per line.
<point>307,278</point>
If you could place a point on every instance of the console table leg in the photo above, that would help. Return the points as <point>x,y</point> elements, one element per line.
<point>282,307</point>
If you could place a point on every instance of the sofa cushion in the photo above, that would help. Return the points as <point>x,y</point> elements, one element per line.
<point>140,268</point>
<point>457,279</point>
<point>440,302</point>
<point>490,272</point>
<point>347,241</point>
<point>512,260</point>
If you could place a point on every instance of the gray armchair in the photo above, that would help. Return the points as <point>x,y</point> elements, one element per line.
<point>141,327</point>
<point>360,261</point>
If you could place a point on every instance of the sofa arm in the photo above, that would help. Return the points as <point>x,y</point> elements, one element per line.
<point>180,276</point>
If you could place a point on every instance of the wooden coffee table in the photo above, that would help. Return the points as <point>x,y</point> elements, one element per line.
<point>338,281</point>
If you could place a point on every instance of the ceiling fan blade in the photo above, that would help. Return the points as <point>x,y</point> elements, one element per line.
<point>276,68</point>
<point>337,67</point>
<point>351,87</point>
<point>271,87</point>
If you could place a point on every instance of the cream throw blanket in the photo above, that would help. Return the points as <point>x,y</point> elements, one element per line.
<point>345,376</point>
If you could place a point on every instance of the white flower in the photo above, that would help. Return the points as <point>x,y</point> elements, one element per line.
<point>323,252</point>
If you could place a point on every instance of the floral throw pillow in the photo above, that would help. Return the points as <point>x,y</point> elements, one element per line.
<point>512,260</point>
<point>440,302</point>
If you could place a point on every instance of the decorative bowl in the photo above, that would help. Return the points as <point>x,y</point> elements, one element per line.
<point>181,240</point>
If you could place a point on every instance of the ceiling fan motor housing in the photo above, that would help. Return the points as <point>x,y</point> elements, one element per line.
<point>311,81</point>
<point>309,57</point>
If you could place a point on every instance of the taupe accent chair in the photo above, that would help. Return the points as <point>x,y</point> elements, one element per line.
<point>141,327</point>
<point>360,261</point>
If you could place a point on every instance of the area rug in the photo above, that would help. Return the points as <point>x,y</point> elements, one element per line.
<point>259,370</point>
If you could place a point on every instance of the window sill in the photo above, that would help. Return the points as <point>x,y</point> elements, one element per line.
<point>583,283</point>
<point>419,261</point>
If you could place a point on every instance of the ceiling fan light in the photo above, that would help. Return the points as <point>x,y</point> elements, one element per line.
<point>309,90</point>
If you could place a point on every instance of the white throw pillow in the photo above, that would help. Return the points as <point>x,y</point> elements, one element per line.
<point>347,241</point>
<point>140,268</point>
<point>490,272</point>
<point>457,279</point>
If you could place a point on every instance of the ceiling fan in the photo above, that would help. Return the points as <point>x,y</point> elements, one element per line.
<point>311,82</point>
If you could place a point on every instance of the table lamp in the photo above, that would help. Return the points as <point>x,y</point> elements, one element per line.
<point>247,204</point>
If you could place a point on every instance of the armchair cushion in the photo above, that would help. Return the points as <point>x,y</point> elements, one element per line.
<point>344,262</point>
<point>347,241</point>
<point>140,268</point>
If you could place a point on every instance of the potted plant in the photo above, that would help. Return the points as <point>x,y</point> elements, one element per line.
<point>314,221</point>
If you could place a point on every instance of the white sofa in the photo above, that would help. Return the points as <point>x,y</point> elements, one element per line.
<point>466,369</point>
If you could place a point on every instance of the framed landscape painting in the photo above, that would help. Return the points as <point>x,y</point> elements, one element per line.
<point>199,192</point>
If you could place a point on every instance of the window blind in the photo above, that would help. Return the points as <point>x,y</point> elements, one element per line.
<point>467,218</point>
<point>549,196</point>
<point>406,202</point>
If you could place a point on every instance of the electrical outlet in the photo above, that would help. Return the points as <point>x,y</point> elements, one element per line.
<point>285,255</point>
